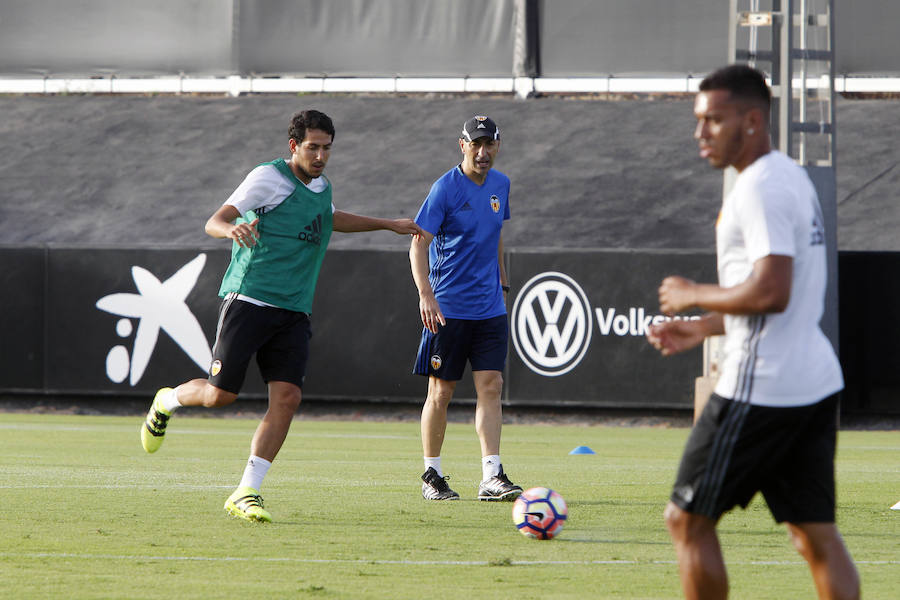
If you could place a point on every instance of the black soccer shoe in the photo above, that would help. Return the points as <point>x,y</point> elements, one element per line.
<point>434,487</point>
<point>498,488</point>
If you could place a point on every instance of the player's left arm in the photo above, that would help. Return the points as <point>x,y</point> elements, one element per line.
<point>345,222</point>
<point>504,279</point>
<point>766,290</point>
<point>675,336</point>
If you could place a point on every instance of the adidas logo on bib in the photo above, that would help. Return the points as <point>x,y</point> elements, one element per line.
<point>312,233</point>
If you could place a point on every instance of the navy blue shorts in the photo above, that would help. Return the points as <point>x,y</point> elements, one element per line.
<point>737,449</point>
<point>279,338</point>
<point>444,354</point>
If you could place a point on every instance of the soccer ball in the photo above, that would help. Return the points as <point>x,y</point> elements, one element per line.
<point>539,513</point>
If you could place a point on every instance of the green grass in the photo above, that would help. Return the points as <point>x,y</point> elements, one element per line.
<point>87,514</point>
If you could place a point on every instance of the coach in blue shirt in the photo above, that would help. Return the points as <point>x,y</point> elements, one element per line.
<point>457,266</point>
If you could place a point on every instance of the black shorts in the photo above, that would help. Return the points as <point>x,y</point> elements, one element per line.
<point>737,449</point>
<point>482,342</point>
<point>278,337</point>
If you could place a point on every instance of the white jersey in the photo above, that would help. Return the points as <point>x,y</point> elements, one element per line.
<point>778,359</point>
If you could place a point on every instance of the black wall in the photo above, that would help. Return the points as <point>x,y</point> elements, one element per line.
<point>870,328</point>
<point>57,340</point>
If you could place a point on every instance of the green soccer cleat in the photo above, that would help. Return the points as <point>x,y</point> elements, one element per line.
<point>153,430</point>
<point>247,504</point>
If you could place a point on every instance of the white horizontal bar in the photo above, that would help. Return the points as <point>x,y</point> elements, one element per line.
<point>867,84</point>
<point>287,84</point>
<point>230,85</point>
<point>616,85</point>
<point>428,84</point>
<point>638,85</point>
<point>22,86</point>
<point>77,86</point>
<point>500,84</point>
<point>361,84</point>
<point>161,85</point>
<point>523,86</point>
<point>575,84</point>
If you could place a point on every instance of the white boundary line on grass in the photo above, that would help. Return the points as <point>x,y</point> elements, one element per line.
<point>363,561</point>
<point>123,486</point>
<point>129,428</point>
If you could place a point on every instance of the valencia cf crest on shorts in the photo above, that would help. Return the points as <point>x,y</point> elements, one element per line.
<point>436,362</point>
<point>495,203</point>
<point>215,368</point>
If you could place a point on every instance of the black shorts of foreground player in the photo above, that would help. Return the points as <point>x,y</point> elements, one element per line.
<point>457,265</point>
<point>279,219</point>
<point>770,427</point>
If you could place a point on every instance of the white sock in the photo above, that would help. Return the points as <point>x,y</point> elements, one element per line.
<point>254,472</point>
<point>490,466</point>
<point>435,463</point>
<point>169,402</point>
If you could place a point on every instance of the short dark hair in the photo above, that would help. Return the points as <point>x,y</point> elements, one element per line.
<point>309,119</point>
<point>745,83</point>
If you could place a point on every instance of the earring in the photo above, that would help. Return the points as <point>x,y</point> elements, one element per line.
<point>750,131</point>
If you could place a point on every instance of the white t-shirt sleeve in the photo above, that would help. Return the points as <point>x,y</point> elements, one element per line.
<point>767,222</point>
<point>264,187</point>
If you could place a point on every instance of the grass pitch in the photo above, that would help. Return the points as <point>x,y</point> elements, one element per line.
<point>87,514</point>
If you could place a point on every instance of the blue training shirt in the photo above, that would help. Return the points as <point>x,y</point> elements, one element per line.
<point>465,219</point>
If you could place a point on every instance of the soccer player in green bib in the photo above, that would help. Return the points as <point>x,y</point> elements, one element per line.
<point>279,219</point>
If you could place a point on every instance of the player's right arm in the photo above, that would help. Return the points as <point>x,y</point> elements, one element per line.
<point>429,309</point>
<point>672,337</point>
<point>221,225</point>
<point>766,290</point>
<point>263,187</point>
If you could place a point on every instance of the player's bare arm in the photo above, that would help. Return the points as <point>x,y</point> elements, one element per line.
<point>350,223</point>
<point>221,225</point>
<point>766,290</point>
<point>504,279</point>
<point>429,309</point>
<point>673,337</point>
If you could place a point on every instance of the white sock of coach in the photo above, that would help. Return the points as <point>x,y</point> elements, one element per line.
<point>490,466</point>
<point>435,463</point>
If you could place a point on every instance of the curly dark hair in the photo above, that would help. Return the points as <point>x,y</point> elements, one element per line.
<point>745,84</point>
<point>309,119</point>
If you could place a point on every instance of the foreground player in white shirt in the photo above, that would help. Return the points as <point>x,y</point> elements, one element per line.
<point>771,424</point>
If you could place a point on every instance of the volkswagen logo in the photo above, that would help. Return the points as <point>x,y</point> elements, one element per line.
<point>551,324</point>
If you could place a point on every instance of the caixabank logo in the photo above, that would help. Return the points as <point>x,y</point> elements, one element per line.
<point>551,324</point>
<point>157,306</point>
